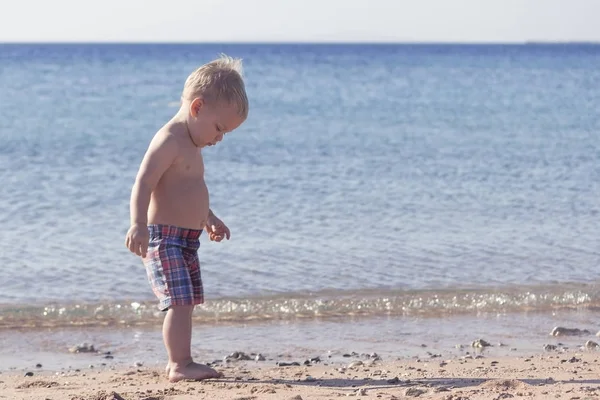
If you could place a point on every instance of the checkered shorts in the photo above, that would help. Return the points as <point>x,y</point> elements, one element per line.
<point>173,267</point>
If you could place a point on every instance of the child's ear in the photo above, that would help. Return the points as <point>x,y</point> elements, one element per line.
<point>196,105</point>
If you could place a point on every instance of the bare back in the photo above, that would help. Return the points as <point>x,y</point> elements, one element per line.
<point>181,197</point>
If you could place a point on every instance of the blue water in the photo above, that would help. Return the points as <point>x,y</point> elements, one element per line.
<point>376,169</point>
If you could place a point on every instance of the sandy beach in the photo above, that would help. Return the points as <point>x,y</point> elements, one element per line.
<point>548,374</point>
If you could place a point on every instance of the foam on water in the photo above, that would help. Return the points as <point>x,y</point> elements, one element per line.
<point>325,305</point>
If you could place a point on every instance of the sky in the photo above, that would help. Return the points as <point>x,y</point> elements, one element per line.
<point>299,20</point>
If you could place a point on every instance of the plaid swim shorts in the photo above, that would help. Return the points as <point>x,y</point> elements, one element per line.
<point>173,267</point>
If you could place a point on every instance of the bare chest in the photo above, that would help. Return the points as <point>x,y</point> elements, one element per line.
<point>190,164</point>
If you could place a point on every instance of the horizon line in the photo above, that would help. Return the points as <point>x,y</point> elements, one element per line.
<point>300,42</point>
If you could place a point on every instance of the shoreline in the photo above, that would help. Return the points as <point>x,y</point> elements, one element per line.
<point>325,304</point>
<point>513,334</point>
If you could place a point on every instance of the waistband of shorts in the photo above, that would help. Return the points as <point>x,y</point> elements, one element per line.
<point>171,231</point>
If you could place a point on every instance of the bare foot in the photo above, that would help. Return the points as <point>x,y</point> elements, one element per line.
<point>192,371</point>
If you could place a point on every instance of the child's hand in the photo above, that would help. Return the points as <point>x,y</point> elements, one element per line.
<point>216,229</point>
<point>137,239</point>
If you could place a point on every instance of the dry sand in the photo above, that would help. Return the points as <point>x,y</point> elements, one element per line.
<point>549,375</point>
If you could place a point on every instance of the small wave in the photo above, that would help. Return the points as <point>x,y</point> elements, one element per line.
<point>333,304</point>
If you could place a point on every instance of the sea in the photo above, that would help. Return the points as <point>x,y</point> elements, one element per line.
<point>390,198</point>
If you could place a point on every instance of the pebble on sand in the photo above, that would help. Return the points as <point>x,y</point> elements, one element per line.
<point>83,348</point>
<point>562,331</point>
<point>480,343</point>
<point>590,344</point>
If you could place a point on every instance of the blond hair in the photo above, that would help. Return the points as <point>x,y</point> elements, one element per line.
<point>220,80</point>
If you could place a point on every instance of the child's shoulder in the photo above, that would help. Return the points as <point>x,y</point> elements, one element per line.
<point>169,135</point>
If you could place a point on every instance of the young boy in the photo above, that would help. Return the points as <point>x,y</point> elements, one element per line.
<point>170,203</point>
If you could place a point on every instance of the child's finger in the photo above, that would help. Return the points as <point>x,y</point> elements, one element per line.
<point>138,248</point>
<point>215,237</point>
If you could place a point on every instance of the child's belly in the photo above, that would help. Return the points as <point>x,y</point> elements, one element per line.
<point>183,203</point>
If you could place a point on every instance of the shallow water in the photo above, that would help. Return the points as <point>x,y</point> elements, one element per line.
<point>391,338</point>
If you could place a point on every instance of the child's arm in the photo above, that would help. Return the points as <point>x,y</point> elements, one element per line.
<point>161,153</point>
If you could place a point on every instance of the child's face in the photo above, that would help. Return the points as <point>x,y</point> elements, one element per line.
<point>210,122</point>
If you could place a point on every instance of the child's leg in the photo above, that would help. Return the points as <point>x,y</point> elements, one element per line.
<point>177,334</point>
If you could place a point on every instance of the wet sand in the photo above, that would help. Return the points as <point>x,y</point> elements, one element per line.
<point>391,337</point>
<point>547,375</point>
